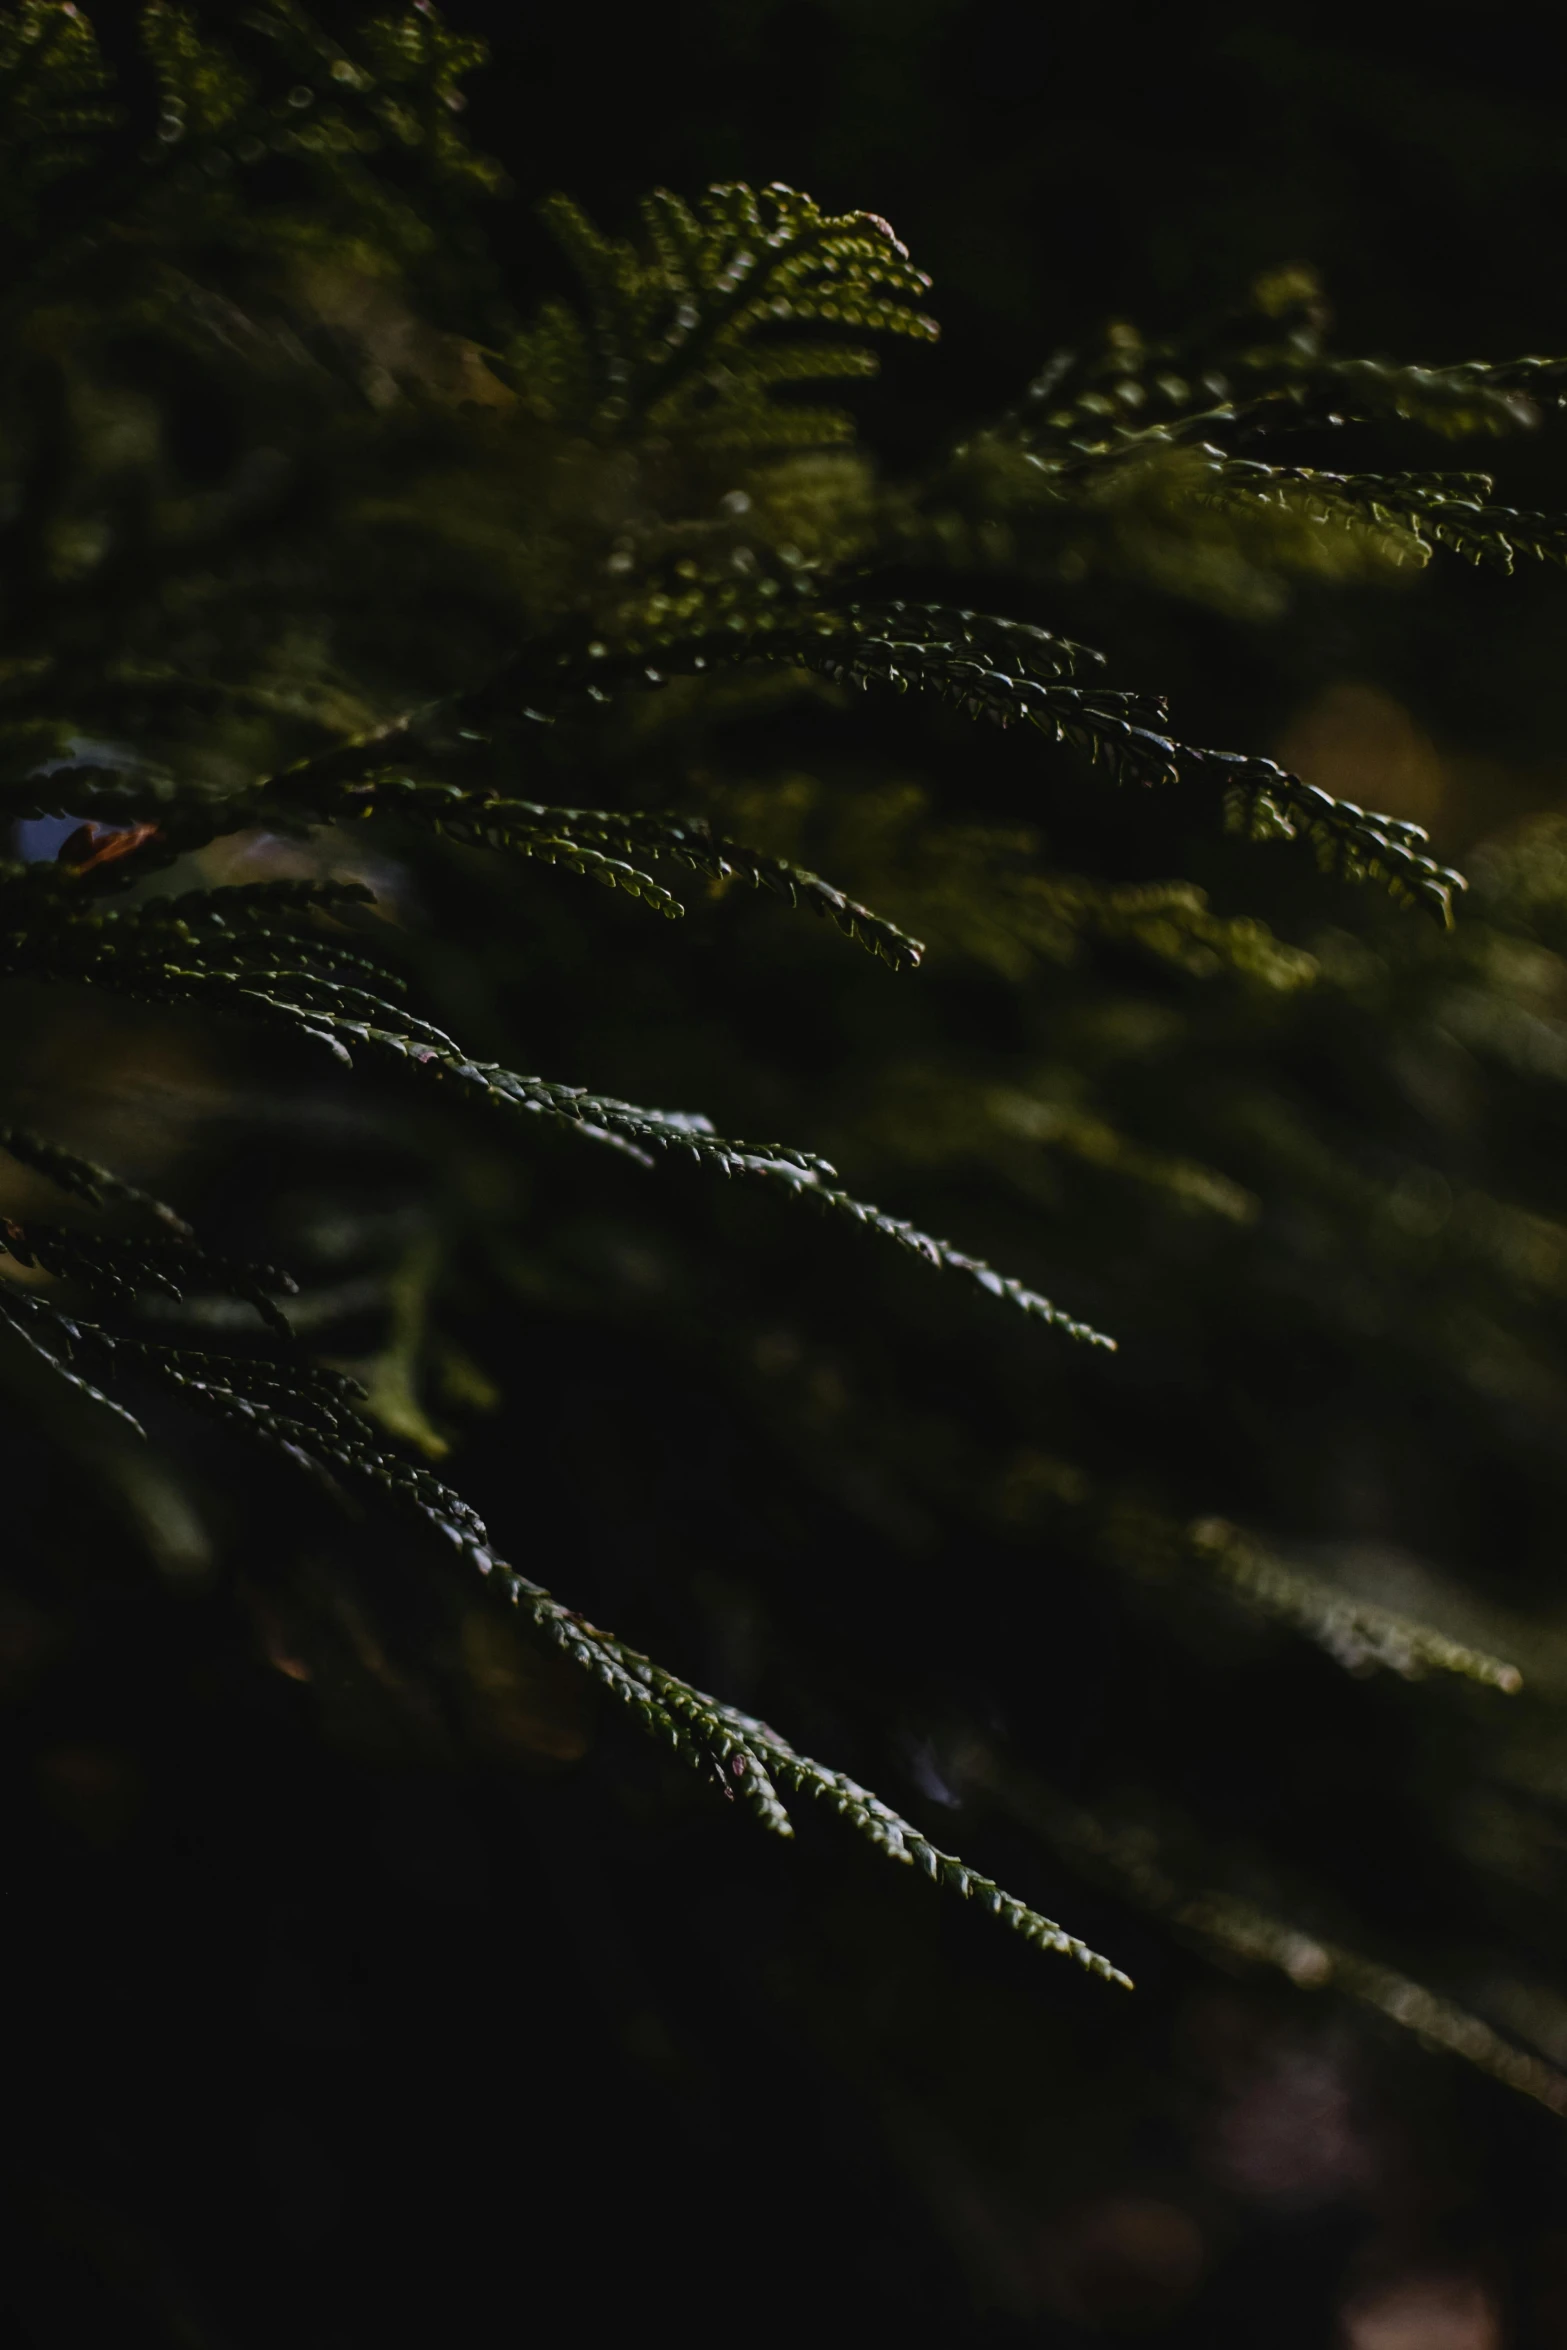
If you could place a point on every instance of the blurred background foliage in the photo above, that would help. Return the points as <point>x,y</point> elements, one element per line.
<point>367,1972</point>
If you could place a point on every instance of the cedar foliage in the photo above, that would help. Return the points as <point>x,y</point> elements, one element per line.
<point>343,587</point>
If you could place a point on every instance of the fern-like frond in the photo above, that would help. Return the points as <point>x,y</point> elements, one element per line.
<point>804,1175</point>
<point>999,668</point>
<point>1452,510</point>
<point>1119,448</point>
<point>1004,670</point>
<point>863,641</point>
<point>752,1761</point>
<point>583,837</point>
<point>989,667</point>
<point>1264,368</point>
<point>682,333</point>
<point>1264,802</point>
<point>992,669</point>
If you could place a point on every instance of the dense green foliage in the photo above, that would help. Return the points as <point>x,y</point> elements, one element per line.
<point>343,589</point>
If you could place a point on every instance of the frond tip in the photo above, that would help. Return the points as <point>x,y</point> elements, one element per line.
<point>1264,802</point>
<point>750,1760</point>
<point>683,333</point>
<point>583,839</point>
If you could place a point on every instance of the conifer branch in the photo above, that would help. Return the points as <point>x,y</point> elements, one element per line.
<point>1265,368</point>
<point>657,492</point>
